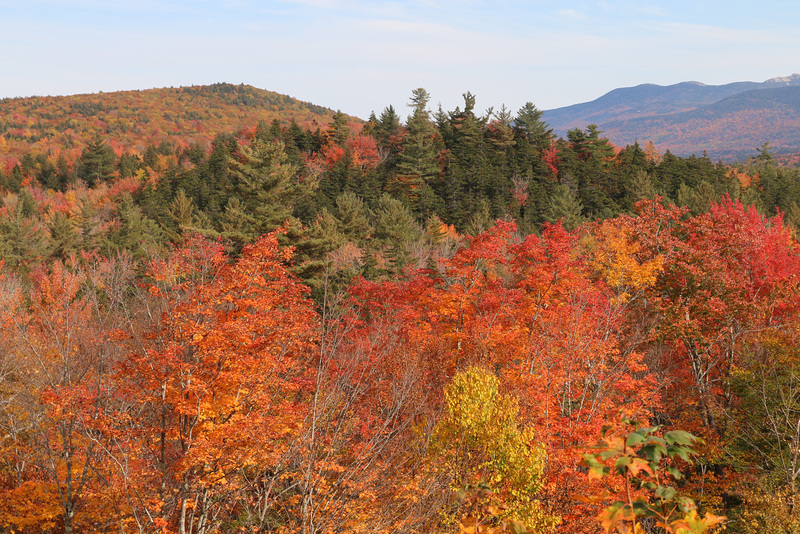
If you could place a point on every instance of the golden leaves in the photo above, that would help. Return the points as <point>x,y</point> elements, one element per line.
<point>620,260</point>
<point>489,456</point>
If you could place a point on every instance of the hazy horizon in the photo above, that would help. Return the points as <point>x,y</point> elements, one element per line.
<point>360,56</point>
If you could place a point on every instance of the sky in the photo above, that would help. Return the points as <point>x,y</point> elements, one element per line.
<point>360,56</point>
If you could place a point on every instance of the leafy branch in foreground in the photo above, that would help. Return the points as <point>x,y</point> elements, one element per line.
<point>641,460</point>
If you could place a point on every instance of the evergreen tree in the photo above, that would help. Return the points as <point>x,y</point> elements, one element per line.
<point>23,236</point>
<point>480,220</point>
<point>97,162</point>
<point>470,178</point>
<point>128,164</point>
<point>64,238</point>
<point>135,232</point>
<point>697,199</point>
<point>591,167</point>
<point>352,218</point>
<point>311,249</point>
<point>387,131</point>
<point>526,158</point>
<point>46,173</point>
<point>751,197</point>
<point>64,174</point>
<point>182,219</point>
<point>150,156</point>
<point>501,133</point>
<point>529,126</point>
<point>565,206</point>
<point>238,225</point>
<point>641,187</point>
<point>395,232</point>
<point>264,191</point>
<point>213,176</point>
<point>670,174</point>
<point>89,224</point>
<point>417,165</point>
<point>766,155</point>
<point>13,182</point>
<point>792,218</point>
<point>154,199</point>
<point>338,130</point>
<point>264,132</point>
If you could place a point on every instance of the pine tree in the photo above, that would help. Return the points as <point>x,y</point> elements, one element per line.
<point>480,220</point>
<point>66,176</point>
<point>181,218</point>
<point>529,126</point>
<point>470,178</point>
<point>97,162</point>
<point>338,130</point>
<point>501,134</point>
<point>352,218</point>
<point>264,191</point>
<point>641,186</point>
<point>238,225</point>
<point>89,224</point>
<point>23,240</point>
<point>417,164</point>
<point>64,238</point>
<point>564,206</point>
<point>591,166</point>
<point>135,232</point>
<point>387,132</point>
<point>395,232</point>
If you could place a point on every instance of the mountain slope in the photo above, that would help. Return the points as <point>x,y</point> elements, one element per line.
<point>727,121</point>
<point>730,129</point>
<point>642,100</point>
<point>131,120</point>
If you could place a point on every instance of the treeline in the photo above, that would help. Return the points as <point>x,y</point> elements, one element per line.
<point>386,188</point>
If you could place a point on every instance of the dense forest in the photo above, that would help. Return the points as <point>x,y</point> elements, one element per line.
<point>450,323</point>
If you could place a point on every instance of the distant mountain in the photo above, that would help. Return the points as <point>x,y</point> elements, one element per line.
<point>130,120</point>
<point>727,121</point>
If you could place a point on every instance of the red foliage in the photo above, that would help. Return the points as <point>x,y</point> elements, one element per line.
<point>531,311</point>
<point>550,157</point>
<point>364,151</point>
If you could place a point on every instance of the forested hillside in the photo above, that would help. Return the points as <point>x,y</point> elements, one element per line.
<point>725,129</point>
<point>452,323</point>
<point>131,120</point>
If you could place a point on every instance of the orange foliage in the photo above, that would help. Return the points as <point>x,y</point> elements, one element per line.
<point>60,340</point>
<point>728,275</point>
<point>745,180</point>
<point>223,384</point>
<point>213,393</point>
<point>131,120</point>
<point>531,311</point>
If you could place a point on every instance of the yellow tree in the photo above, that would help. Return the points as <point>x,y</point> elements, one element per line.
<point>495,467</point>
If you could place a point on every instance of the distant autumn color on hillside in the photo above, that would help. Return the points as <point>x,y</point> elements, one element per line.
<point>130,120</point>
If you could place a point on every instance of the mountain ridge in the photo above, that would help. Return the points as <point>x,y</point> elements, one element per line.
<point>682,117</point>
<point>132,119</point>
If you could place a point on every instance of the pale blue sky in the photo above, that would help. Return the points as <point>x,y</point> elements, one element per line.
<point>359,56</point>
